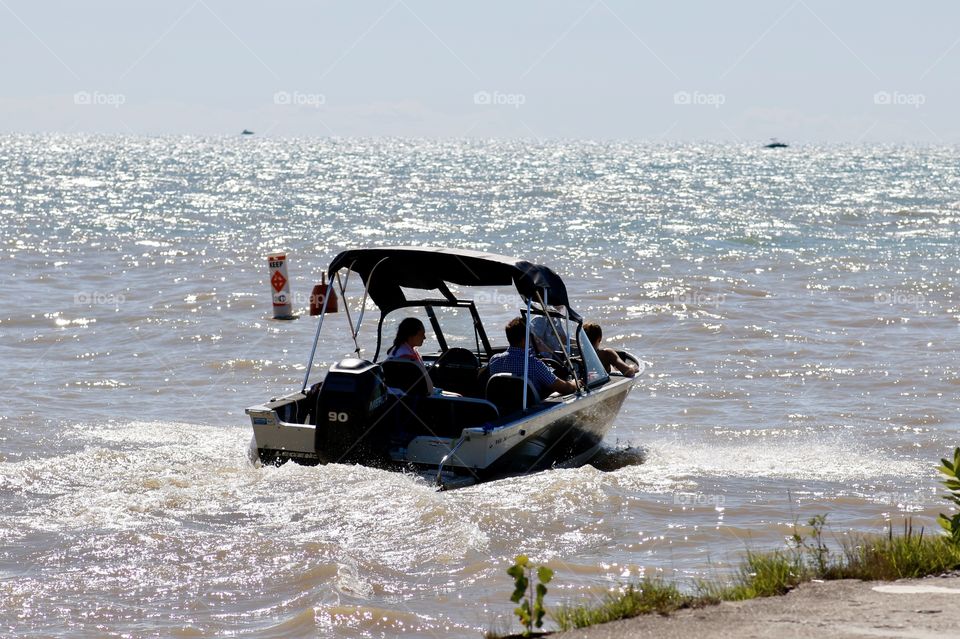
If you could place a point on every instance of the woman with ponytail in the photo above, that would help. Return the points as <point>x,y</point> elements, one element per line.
<point>410,335</point>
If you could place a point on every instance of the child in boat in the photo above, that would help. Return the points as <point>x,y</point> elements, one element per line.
<point>608,357</point>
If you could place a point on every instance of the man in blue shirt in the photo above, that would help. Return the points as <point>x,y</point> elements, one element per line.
<point>511,361</point>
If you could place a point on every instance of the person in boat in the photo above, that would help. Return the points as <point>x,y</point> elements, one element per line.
<point>410,336</point>
<point>511,361</point>
<point>608,357</point>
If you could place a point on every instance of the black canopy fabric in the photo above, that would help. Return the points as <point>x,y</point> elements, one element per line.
<point>385,270</point>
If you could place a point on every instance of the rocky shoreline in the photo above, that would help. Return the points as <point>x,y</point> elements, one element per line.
<point>910,608</point>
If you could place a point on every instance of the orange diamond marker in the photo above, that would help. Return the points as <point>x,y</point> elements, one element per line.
<point>278,281</point>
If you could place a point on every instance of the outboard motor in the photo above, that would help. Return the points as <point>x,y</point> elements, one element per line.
<point>352,399</point>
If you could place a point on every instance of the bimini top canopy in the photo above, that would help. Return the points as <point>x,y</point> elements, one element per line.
<point>385,270</point>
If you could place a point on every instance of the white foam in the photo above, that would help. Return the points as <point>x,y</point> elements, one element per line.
<point>812,456</point>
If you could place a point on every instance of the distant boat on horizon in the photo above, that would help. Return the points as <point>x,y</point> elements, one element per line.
<point>246,132</point>
<point>775,144</point>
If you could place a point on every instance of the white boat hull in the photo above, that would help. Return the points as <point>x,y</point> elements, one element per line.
<point>568,431</point>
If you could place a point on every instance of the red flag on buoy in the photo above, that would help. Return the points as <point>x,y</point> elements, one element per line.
<point>320,292</point>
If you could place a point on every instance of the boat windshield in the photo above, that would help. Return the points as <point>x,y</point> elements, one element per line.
<point>456,322</point>
<point>446,325</point>
<point>596,373</point>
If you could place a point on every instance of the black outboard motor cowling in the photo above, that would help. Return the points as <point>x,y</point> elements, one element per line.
<point>352,399</point>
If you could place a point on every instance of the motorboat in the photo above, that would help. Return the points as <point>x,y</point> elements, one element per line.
<point>775,144</point>
<point>473,426</point>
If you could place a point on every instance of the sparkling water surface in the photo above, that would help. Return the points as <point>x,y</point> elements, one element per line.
<point>798,310</point>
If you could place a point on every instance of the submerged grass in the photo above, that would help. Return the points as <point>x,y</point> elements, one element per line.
<point>646,597</point>
<point>762,574</point>
<point>765,574</point>
<point>895,557</point>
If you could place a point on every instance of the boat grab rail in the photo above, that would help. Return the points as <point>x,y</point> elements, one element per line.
<point>346,307</point>
<point>447,457</point>
<point>366,291</point>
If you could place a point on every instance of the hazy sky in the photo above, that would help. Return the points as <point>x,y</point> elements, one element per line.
<point>802,70</point>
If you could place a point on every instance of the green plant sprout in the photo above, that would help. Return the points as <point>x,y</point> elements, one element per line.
<point>950,470</point>
<point>814,546</point>
<point>531,610</point>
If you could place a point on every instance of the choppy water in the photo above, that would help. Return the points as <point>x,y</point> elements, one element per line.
<point>799,311</point>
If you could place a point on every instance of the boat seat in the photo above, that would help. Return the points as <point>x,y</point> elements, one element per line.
<point>456,371</point>
<point>312,404</point>
<point>505,391</point>
<point>443,416</point>
<point>483,376</point>
<point>405,375</point>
